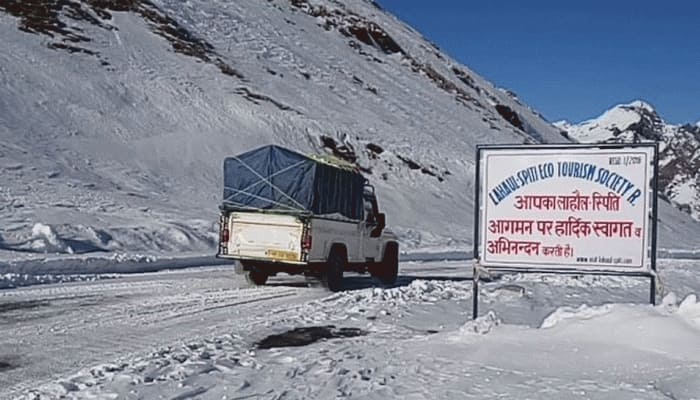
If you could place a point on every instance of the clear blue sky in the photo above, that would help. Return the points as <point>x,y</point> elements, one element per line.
<point>573,59</point>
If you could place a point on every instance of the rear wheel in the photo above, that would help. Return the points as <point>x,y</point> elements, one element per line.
<point>333,278</point>
<point>255,276</point>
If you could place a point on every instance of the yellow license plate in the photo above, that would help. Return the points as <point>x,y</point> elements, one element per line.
<point>283,255</point>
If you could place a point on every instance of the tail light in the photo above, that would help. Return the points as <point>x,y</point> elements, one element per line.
<point>306,239</point>
<point>223,234</point>
<point>223,228</point>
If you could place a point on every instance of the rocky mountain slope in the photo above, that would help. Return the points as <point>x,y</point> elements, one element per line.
<point>679,147</point>
<point>115,117</point>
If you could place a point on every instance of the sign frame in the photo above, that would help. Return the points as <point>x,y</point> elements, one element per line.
<point>649,244</point>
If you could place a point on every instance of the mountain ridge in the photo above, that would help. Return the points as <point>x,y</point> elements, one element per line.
<point>679,145</point>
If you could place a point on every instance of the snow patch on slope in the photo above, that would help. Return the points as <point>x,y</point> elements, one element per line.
<point>610,124</point>
<point>685,192</point>
<point>137,116</point>
<point>125,135</point>
<point>45,240</point>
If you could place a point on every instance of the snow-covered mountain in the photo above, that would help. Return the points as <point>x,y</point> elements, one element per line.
<point>115,117</point>
<point>679,145</point>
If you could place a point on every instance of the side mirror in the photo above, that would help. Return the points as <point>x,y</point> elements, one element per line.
<point>381,224</point>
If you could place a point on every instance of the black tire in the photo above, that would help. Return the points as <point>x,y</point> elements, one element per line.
<point>333,278</point>
<point>388,270</point>
<point>255,277</point>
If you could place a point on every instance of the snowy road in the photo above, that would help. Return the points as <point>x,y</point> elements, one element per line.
<point>57,329</point>
<point>52,330</point>
<point>192,333</point>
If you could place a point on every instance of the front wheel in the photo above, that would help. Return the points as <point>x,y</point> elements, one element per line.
<point>387,271</point>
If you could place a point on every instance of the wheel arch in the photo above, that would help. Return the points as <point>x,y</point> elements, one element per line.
<point>339,247</point>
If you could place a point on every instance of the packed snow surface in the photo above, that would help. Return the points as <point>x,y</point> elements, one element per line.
<point>192,333</point>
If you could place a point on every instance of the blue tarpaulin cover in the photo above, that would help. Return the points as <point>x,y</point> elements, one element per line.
<point>279,179</point>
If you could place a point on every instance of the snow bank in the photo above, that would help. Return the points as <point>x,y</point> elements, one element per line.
<point>582,312</point>
<point>479,326</point>
<point>678,254</point>
<point>76,268</point>
<point>418,291</point>
<point>688,310</point>
<point>12,280</point>
<point>154,236</point>
<point>45,240</point>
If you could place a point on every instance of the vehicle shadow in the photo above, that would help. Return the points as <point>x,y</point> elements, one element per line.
<point>364,282</point>
<point>359,282</point>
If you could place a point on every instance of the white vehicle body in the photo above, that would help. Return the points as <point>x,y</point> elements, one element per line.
<point>316,215</point>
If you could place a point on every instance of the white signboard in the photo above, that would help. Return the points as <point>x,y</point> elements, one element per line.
<point>569,208</point>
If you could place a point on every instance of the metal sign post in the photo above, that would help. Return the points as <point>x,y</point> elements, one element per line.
<point>475,292</point>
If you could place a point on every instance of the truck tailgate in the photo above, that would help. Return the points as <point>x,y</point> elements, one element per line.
<point>265,236</point>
